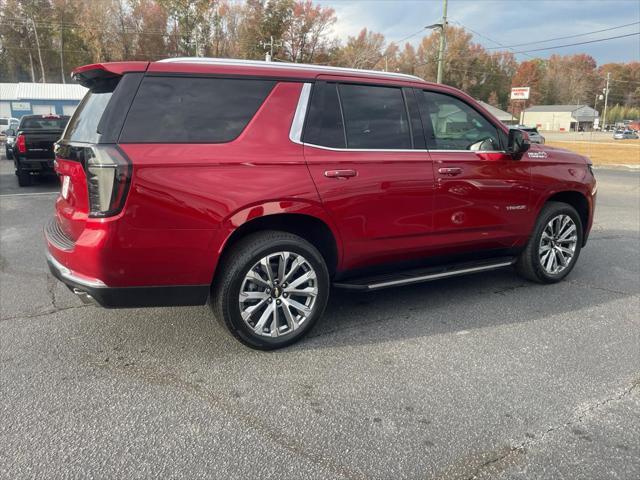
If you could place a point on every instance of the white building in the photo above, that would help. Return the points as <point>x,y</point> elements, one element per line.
<point>504,117</point>
<point>18,99</point>
<point>559,118</point>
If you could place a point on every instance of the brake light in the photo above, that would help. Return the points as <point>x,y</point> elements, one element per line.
<point>108,176</point>
<point>21,143</point>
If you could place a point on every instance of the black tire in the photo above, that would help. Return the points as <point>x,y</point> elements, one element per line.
<point>8,154</point>
<point>238,262</point>
<point>24,177</point>
<point>529,265</point>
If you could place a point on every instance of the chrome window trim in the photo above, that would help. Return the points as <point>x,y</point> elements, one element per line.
<point>295,133</point>
<point>297,125</point>
<point>397,149</point>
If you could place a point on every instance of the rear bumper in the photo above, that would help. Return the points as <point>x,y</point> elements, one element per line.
<point>37,164</point>
<point>94,290</point>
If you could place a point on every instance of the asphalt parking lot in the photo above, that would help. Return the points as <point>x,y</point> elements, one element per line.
<point>485,376</point>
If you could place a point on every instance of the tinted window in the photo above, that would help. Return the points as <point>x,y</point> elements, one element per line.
<point>454,125</point>
<point>183,110</point>
<point>324,124</point>
<point>375,117</point>
<point>44,123</point>
<point>83,126</point>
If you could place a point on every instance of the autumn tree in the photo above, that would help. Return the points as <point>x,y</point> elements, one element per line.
<point>362,51</point>
<point>305,35</point>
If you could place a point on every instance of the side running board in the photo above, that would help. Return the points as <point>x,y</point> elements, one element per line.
<point>407,277</point>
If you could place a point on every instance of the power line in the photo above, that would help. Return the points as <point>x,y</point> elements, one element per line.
<point>565,37</point>
<point>409,36</point>
<point>488,38</point>
<point>579,43</point>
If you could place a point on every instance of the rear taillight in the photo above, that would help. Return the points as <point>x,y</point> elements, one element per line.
<point>108,177</point>
<point>21,144</point>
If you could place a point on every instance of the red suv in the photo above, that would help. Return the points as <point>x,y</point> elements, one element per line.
<point>262,185</point>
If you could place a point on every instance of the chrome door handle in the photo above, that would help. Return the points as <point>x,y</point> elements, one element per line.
<point>340,173</point>
<point>452,171</point>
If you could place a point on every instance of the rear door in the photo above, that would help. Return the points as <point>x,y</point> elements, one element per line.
<point>481,194</point>
<point>365,149</point>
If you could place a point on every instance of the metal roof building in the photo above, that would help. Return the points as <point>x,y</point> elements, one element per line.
<point>504,117</point>
<point>18,99</point>
<point>561,118</point>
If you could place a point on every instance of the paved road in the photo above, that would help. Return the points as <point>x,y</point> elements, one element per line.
<point>485,376</point>
<point>598,137</point>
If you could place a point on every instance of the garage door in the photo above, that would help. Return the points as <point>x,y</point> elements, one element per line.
<point>68,109</point>
<point>43,109</point>
<point>5,109</point>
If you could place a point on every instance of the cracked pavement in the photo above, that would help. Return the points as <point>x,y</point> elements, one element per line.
<point>485,376</point>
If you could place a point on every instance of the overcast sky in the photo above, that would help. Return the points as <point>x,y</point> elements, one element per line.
<point>507,22</point>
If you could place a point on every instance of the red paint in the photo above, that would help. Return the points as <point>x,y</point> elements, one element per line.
<point>185,201</point>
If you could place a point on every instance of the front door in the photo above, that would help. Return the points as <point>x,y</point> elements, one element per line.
<point>365,149</point>
<point>482,195</point>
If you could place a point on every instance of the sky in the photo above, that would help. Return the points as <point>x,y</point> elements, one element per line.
<point>506,22</point>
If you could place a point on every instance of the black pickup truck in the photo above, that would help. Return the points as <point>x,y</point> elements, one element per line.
<point>33,148</point>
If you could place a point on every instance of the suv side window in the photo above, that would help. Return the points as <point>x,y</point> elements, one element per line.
<point>324,125</point>
<point>193,109</point>
<point>375,117</point>
<point>451,124</point>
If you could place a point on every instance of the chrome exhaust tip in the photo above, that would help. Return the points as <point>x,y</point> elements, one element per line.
<point>84,296</point>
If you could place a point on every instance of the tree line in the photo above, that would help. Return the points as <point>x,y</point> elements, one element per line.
<point>42,40</point>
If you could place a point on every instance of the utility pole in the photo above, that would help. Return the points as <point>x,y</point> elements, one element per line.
<point>268,56</point>
<point>443,28</point>
<point>35,31</point>
<point>61,54</point>
<point>606,100</point>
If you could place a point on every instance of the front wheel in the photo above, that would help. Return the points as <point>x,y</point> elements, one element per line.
<point>554,246</point>
<point>271,289</point>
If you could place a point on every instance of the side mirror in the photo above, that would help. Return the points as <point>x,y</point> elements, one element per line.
<point>518,143</point>
<point>10,132</point>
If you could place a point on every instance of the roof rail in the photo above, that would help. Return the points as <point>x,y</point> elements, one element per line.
<point>301,66</point>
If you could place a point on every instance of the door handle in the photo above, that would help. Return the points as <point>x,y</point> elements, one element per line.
<point>452,171</point>
<point>340,173</point>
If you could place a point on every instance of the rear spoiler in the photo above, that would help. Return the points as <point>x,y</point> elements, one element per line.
<point>95,75</point>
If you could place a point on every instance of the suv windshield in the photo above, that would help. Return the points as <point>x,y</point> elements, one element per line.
<point>44,123</point>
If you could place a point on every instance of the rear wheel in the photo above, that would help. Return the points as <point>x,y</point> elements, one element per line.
<point>8,153</point>
<point>554,246</point>
<point>24,177</point>
<point>271,289</point>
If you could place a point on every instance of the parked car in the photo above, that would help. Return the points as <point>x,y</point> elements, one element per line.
<point>10,139</point>
<point>33,152</point>
<point>534,135</point>
<point>5,123</point>
<point>625,135</point>
<point>261,185</point>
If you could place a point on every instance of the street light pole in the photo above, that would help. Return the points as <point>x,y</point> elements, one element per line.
<point>443,28</point>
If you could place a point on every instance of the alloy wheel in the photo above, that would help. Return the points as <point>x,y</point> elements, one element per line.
<point>558,244</point>
<point>278,294</point>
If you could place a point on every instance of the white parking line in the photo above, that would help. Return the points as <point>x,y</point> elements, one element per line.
<point>27,194</point>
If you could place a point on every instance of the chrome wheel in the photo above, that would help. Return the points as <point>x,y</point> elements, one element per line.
<point>558,244</point>
<point>278,294</point>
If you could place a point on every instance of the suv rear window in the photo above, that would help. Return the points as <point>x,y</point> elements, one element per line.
<point>193,109</point>
<point>44,123</point>
<point>83,126</point>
